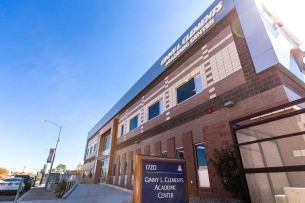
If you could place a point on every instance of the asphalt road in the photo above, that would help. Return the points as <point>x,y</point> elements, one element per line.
<point>9,197</point>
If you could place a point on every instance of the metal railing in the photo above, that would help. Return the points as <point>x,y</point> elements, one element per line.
<point>71,181</point>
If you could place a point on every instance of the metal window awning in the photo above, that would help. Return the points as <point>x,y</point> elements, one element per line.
<point>102,157</point>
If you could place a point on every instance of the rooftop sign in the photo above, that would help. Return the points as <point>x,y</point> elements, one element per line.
<point>201,28</point>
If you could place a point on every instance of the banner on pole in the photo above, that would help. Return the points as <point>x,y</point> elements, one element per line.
<point>51,153</point>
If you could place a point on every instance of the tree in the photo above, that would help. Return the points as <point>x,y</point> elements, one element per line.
<point>79,167</point>
<point>225,164</point>
<point>61,168</point>
<point>3,172</point>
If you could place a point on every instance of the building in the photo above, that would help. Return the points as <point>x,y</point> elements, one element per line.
<point>236,59</point>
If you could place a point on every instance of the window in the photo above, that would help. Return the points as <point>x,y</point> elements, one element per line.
<point>134,123</point>
<point>201,163</point>
<point>132,166</point>
<point>106,142</point>
<point>126,167</point>
<point>90,149</point>
<point>164,154</point>
<point>90,174</point>
<point>200,156</point>
<point>179,153</point>
<point>189,89</point>
<point>155,110</point>
<point>122,130</point>
<point>120,168</point>
<point>94,148</point>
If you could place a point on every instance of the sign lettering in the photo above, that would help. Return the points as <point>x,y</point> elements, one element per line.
<point>201,28</point>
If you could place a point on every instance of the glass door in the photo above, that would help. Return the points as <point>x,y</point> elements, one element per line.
<point>104,171</point>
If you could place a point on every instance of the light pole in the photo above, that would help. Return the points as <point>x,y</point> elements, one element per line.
<point>54,151</point>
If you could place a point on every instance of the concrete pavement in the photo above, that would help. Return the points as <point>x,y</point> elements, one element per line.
<point>88,193</point>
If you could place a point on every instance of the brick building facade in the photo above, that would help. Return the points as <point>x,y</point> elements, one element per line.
<point>221,65</point>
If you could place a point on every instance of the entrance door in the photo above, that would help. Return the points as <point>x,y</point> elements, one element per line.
<point>104,171</point>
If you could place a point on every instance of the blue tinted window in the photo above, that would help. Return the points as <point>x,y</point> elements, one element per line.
<point>200,154</point>
<point>134,123</point>
<point>154,110</point>
<point>186,91</point>
<point>122,130</point>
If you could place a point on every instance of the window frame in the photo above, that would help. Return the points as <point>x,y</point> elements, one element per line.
<point>197,156</point>
<point>177,154</point>
<point>137,116</point>
<point>160,102</point>
<point>122,130</point>
<point>162,153</point>
<point>197,84</point>
<point>105,138</point>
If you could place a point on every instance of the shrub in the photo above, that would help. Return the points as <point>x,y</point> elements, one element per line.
<point>61,188</point>
<point>225,164</point>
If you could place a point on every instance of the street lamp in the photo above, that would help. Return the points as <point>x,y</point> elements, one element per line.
<point>54,151</point>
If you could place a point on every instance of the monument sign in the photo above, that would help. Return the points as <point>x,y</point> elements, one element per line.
<point>159,180</point>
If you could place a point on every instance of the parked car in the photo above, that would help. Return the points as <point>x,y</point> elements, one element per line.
<point>27,181</point>
<point>33,180</point>
<point>11,185</point>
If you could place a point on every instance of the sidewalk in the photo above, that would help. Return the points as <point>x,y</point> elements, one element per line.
<point>38,193</point>
<point>83,193</point>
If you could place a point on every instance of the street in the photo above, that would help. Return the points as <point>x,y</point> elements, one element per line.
<point>9,197</point>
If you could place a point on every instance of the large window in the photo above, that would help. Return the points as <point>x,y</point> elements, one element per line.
<point>155,110</point>
<point>201,163</point>
<point>189,89</point>
<point>106,142</point>
<point>134,123</point>
<point>94,148</point>
<point>180,153</point>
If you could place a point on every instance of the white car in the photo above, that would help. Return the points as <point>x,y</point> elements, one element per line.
<point>11,185</point>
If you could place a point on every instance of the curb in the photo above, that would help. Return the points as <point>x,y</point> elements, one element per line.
<point>25,194</point>
<point>69,192</point>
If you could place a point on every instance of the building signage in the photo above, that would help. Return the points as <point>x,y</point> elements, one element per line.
<point>201,28</point>
<point>160,180</point>
<point>51,153</point>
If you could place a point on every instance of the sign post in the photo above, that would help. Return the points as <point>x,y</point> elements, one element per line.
<point>159,180</point>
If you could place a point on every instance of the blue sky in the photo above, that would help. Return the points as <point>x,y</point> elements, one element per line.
<point>71,61</point>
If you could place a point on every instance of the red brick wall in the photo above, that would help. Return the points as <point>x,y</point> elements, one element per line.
<point>171,150</point>
<point>147,150</point>
<point>157,148</point>
<point>188,149</point>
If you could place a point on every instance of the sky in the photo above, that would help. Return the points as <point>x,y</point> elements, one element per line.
<point>70,61</point>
